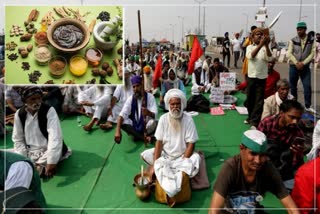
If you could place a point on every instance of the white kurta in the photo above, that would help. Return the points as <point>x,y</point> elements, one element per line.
<point>174,142</point>
<point>122,95</point>
<point>126,110</point>
<point>71,97</point>
<point>169,167</point>
<point>31,143</point>
<point>204,79</point>
<point>100,99</point>
<point>135,68</point>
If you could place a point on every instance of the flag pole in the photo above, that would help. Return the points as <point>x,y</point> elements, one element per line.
<point>140,42</point>
<point>142,76</point>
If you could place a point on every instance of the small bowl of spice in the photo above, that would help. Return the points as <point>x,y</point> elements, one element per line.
<point>57,66</point>
<point>41,38</point>
<point>42,54</point>
<point>93,56</point>
<point>78,65</point>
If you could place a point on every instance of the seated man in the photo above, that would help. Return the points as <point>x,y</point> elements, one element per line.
<point>176,135</point>
<point>19,172</point>
<point>170,83</point>
<point>215,70</point>
<point>13,99</point>
<point>165,71</point>
<point>37,133</point>
<point>139,109</point>
<point>71,104</point>
<point>245,178</point>
<point>285,139</point>
<point>133,67</point>
<point>120,95</point>
<point>96,101</point>
<point>147,77</point>
<point>182,74</point>
<point>272,103</point>
<point>200,80</point>
<point>52,96</point>
<point>207,63</point>
<point>272,79</point>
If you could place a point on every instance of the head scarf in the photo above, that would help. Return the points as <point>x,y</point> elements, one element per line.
<point>29,91</point>
<point>175,78</point>
<point>255,140</point>
<point>175,93</point>
<point>257,30</point>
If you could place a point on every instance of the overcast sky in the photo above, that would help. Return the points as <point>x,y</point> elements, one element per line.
<point>220,16</point>
<point>160,18</point>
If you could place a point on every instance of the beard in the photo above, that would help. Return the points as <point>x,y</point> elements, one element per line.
<point>175,119</point>
<point>34,107</point>
<point>137,95</point>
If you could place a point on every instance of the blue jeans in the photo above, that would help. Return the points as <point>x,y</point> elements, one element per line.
<point>305,76</point>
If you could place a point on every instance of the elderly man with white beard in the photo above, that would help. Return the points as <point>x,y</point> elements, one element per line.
<point>173,154</point>
<point>37,133</point>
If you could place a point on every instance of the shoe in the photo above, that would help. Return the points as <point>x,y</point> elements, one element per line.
<point>311,110</point>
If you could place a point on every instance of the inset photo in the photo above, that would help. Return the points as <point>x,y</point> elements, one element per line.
<point>63,44</point>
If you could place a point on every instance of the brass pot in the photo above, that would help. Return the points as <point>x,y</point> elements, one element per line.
<point>142,189</point>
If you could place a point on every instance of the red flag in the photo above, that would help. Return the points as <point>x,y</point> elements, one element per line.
<point>195,54</point>
<point>157,72</point>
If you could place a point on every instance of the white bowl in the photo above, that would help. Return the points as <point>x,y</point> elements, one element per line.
<point>100,43</point>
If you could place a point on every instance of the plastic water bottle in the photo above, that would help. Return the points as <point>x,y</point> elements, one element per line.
<point>79,121</point>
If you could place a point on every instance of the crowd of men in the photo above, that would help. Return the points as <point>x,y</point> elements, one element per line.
<point>271,151</point>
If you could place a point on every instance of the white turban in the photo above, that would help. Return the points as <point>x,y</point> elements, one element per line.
<point>175,93</point>
<point>198,64</point>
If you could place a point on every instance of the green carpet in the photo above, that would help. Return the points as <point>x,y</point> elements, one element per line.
<point>98,177</point>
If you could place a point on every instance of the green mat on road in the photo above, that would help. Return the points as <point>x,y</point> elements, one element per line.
<point>98,177</point>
